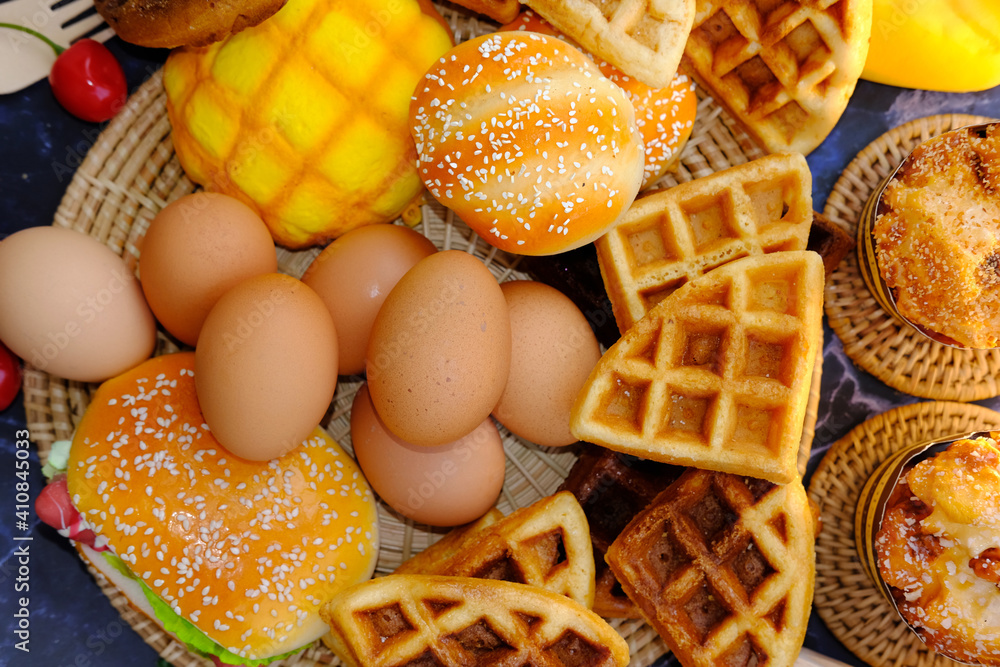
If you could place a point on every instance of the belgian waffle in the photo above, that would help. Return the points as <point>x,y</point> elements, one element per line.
<point>546,544</point>
<point>784,69</point>
<point>412,619</point>
<point>670,237</point>
<point>612,488</point>
<point>722,567</point>
<point>717,375</point>
<point>503,11</point>
<point>642,38</point>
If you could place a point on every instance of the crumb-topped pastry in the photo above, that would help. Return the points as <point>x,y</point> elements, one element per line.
<point>938,549</point>
<point>937,236</point>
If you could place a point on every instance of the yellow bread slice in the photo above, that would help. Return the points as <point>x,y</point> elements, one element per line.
<point>943,45</point>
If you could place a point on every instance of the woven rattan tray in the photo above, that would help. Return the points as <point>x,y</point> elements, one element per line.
<point>846,599</point>
<point>131,172</point>
<point>875,340</point>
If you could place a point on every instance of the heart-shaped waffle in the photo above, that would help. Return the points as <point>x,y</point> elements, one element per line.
<point>722,567</point>
<point>717,375</point>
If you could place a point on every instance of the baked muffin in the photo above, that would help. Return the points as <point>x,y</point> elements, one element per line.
<point>937,236</point>
<point>938,550</point>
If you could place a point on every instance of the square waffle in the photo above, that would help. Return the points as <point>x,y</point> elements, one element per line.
<point>502,11</point>
<point>612,488</point>
<point>670,237</point>
<point>717,375</point>
<point>434,621</point>
<point>785,70</point>
<point>722,567</point>
<point>546,544</point>
<point>642,38</point>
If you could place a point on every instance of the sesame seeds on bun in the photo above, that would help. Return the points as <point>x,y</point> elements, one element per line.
<point>523,137</point>
<point>246,551</point>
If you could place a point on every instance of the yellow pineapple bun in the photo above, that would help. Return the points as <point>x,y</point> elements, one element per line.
<point>305,117</point>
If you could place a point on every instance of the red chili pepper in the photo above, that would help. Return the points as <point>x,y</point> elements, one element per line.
<point>10,377</point>
<point>85,78</point>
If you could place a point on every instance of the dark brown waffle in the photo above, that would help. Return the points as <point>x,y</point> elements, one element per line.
<point>831,242</point>
<point>722,566</point>
<point>612,488</point>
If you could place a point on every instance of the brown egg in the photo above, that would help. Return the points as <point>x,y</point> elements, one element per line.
<point>448,485</point>
<point>196,248</point>
<point>70,306</point>
<point>553,351</point>
<point>439,352</point>
<point>354,274</point>
<point>266,366</point>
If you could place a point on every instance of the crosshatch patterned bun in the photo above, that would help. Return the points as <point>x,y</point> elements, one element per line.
<point>546,544</point>
<point>717,375</point>
<point>785,70</point>
<point>523,137</point>
<point>415,619</point>
<point>723,568</point>
<point>670,237</point>
<point>643,38</point>
<point>247,551</point>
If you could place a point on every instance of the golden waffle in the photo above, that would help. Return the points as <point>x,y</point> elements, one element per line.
<point>670,237</point>
<point>612,488</point>
<point>717,375</point>
<point>722,567</point>
<point>546,544</point>
<point>503,11</point>
<point>784,69</point>
<point>642,38</point>
<point>417,620</point>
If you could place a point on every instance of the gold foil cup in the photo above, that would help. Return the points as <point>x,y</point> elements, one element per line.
<point>868,257</point>
<point>875,496</point>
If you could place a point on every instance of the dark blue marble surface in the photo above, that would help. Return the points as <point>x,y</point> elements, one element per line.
<point>71,622</point>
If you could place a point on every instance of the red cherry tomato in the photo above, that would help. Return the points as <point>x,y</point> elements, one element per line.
<point>10,377</point>
<point>88,81</point>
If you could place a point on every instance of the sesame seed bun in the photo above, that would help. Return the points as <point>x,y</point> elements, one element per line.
<point>522,136</point>
<point>246,551</point>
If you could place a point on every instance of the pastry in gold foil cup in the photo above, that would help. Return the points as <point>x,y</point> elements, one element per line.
<point>927,531</point>
<point>925,226</point>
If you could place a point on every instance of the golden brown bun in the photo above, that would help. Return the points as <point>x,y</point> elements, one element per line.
<point>246,551</point>
<point>170,23</point>
<point>566,163</point>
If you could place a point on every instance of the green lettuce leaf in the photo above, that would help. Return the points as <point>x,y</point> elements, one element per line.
<point>58,459</point>
<point>195,640</point>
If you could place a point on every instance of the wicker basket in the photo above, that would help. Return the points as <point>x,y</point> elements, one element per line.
<point>131,172</point>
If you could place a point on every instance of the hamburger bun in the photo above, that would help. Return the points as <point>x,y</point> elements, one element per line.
<point>171,23</point>
<point>522,136</point>
<point>245,551</point>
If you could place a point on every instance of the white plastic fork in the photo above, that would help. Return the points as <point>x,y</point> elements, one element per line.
<point>24,59</point>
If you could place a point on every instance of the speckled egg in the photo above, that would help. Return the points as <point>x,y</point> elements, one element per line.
<point>266,366</point>
<point>553,351</point>
<point>448,485</point>
<point>439,351</point>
